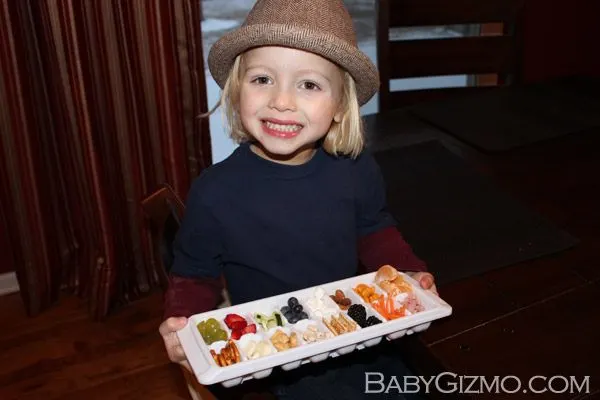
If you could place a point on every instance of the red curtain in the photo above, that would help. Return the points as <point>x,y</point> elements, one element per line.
<point>98,106</point>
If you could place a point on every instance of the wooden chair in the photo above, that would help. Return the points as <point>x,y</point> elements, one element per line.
<point>165,210</point>
<point>497,54</point>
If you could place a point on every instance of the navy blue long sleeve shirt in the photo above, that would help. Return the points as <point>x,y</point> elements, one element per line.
<point>271,228</point>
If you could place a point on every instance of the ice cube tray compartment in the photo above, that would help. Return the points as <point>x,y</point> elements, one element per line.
<point>287,331</point>
<point>330,309</point>
<point>294,309</point>
<point>244,343</point>
<point>356,299</point>
<point>264,317</point>
<point>331,325</point>
<point>208,372</point>
<point>301,328</point>
<point>220,324</point>
<point>398,334</point>
<point>320,306</point>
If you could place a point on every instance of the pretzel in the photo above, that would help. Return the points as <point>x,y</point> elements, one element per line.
<point>229,355</point>
<point>226,353</point>
<point>215,356</point>
<point>235,351</point>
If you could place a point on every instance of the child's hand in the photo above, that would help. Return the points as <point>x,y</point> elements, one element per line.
<point>426,280</point>
<point>168,331</point>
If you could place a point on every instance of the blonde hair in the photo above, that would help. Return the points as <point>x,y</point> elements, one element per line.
<point>344,137</point>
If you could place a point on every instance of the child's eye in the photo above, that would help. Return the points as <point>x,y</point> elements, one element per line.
<point>262,80</point>
<point>308,85</point>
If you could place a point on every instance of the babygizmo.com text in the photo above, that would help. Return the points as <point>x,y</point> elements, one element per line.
<point>448,382</point>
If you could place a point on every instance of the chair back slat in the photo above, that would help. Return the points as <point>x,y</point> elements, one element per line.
<point>469,55</point>
<point>450,12</point>
<point>165,210</point>
<point>406,98</point>
<point>497,55</point>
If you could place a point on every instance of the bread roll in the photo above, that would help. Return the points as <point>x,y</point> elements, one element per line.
<point>386,273</point>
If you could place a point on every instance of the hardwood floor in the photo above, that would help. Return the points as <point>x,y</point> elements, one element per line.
<point>62,354</point>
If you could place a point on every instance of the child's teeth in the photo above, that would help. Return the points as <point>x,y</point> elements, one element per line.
<point>282,128</point>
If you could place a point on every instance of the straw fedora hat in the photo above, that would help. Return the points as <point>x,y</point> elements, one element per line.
<point>323,27</point>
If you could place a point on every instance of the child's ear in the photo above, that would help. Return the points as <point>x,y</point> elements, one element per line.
<point>337,117</point>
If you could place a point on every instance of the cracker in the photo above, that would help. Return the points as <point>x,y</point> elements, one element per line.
<point>330,327</point>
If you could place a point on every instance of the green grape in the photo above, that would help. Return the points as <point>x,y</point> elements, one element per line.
<point>212,322</point>
<point>209,339</point>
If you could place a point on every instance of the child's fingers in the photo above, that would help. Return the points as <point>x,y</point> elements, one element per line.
<point>428,283</point>
<point>176,353</point>
<point>168,330</point>
<point>426,280</point>
<point>179,352</point>
<point>172,324</point>
<point>433,288</point>
<point>171,340</point>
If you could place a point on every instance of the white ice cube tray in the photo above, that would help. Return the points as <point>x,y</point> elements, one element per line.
<point>208,372</point>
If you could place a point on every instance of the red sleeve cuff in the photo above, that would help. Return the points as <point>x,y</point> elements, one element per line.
<point>188,296</point>
<point>387,246</point>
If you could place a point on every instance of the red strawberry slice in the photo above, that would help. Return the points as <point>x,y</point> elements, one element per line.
<point>234,321</point>
<point>235,325</point>
<point>236,334</point>
<point>249,329</point>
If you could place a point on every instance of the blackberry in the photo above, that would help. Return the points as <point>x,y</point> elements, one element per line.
<point>358,313</point>
<point>372,320</point>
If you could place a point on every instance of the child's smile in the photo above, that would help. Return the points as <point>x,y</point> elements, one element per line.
<point>281,129</point>
<point>288,101</point>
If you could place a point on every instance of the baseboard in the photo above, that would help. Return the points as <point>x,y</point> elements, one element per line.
<point>8,283</point>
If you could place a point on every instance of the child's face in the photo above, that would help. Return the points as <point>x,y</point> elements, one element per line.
<point>288,100</point>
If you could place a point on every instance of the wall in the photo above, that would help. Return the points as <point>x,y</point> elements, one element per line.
<point>559,36</point>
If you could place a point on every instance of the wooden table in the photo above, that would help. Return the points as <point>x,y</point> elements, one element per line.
<point>540,317</point>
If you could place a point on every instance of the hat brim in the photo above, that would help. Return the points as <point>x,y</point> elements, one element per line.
<point>340,52</point>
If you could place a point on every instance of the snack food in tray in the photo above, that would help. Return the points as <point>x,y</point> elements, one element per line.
<point>246,341</point>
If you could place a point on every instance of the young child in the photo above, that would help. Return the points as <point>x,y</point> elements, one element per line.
<point>299,202</point>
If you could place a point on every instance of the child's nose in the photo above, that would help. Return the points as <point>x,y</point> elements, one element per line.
<point>283,100</point>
